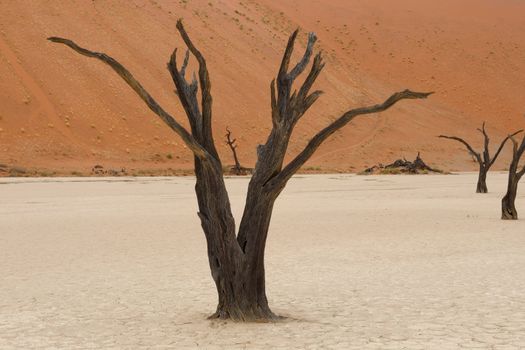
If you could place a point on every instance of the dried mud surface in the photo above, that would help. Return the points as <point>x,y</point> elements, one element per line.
<point>379,262</point>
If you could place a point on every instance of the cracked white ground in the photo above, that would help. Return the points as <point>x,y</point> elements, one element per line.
<point>353,262</point>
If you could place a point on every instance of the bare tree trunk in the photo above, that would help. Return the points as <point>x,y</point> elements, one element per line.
<point>484,159</point>
<point>251,282</point>
<point>239,276</point>
<point>482,181</point>
<point>508,207</point>
<point>237,260</point>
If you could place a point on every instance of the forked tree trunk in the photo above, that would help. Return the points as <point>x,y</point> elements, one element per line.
<point>508,206</point>
<point>240,281</point>
<point>237,259</point>
<point>245,298</point>
<point>484,159</point>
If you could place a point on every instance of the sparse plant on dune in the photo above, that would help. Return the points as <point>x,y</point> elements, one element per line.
<point>236,257</point>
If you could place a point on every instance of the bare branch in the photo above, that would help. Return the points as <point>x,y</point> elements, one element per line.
<point>310,100</point>
<point>185,64</point>
<point>284,84</point>
<point>301,65</point>
<point>187,94</point>
<point>316,69</point>
<point>482,130</point>
<point>283,70</point>
<point>204,80</point>
<point>486,151</point>
<point>517,154</point>
<point>470,149</point>
<point>290,169</point>
<point>501,147</point>
<point>275,111</point>
<point>188,139</point>
<point>514,145</point>
<point>291,108</point>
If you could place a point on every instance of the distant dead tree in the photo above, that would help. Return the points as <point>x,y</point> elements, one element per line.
<point>485,161</point>
<point>237,259</point>
<point>237,168</point>
<point>402,166</point>
<point>508,208</point>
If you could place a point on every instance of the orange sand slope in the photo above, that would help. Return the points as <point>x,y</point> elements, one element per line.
<point>64,112</point>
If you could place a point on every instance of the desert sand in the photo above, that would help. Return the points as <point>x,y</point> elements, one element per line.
<point>64,113</point>
<point>353,262</point>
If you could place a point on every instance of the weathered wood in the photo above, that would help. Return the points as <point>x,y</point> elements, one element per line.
<point>402,166</point>
<point>484,159</point>
<point>237,259</point>
<point>508,207</point>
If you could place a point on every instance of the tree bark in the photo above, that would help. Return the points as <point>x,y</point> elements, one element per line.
<point>251,283</point>
<point>237,260</point>
<point>508,207</point>
<point>482,181</point>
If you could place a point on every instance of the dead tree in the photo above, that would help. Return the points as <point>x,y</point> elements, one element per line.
<point>484,160</point>
<point>415,167</point>
<point>508,208</point>
<point>237,168</point>
<point>237,259</point>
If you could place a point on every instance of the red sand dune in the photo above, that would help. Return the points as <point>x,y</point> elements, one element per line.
<point>64,112</point>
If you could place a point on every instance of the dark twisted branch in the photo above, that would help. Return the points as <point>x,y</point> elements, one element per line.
<point>288,107</point>
<point>469,147</point>
<point>185,64</point>
<point>319,138</point>
<point>502,145</point>
<point>275,111</point>
<point>206,98</point>
<point>283,70</point>
<point>316,69</point>
<point>485,161</point>
<point>517,152</point>
<point>187,93</point>
<point>125,74</point>
<point>486,141</point>
<point>301,65</point>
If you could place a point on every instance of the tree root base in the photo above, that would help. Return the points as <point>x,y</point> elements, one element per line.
<point>236,315</point>
<point>509,217</point>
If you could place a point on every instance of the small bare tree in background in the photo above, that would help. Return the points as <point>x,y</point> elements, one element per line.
<point>237,168</point>
<point>236,259</point>
<point>508,208</point>
<point>484,160</point>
